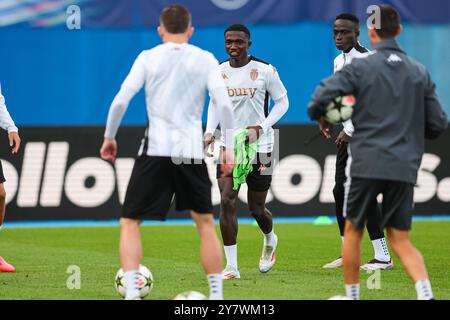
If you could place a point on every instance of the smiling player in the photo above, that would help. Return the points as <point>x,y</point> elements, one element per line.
<point>251,83</point>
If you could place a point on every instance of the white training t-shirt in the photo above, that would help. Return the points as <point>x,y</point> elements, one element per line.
<point>250,88</point>
<point>175,78</point>
<point>339,62</point>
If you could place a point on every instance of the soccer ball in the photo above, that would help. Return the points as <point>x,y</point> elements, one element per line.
<point>340,109</point>
<point>145,282</point>
<point>190,295</point>
<point>340,298</point>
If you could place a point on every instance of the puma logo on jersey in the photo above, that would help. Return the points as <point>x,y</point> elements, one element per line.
<point>394,58</point>
<point>238,92</point>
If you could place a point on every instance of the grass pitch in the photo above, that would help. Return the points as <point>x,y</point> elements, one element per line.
<point>42,257</point>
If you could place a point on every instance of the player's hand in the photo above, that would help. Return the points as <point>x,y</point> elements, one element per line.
<point>325,128</point>
<point>254,132</point>
<point>14,142</point>
<point>209,140</point>
<point>227,163</point>
<point>108,151</point>
<point>342,139</point>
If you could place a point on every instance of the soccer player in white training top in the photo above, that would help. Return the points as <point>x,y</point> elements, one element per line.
<point>251,83</point>
<point>7,123</point>
<point>175,76</point>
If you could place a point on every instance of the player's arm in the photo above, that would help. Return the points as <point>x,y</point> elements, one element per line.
<point>220,101</point>
<point>132,84</point>
<point>7,123</point>
<point>345,135</point>
<point>211,126</point>
<point>213,118</point>
<point>278,93</point>
<point>436,121</point>
<point>222,105</point>
<point>117,110</point>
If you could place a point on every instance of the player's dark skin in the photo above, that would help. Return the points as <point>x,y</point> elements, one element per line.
<point>237,44</point>
<point>345,35</point>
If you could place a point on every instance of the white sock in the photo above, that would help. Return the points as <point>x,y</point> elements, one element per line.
<point>352,291</point>
<point>130,279</point>
<point>231,255</point>
<point>342,238</point>
<point>269,237</point>
<point>423,288</point>
<point>381,250</point>
<point>215,286</point>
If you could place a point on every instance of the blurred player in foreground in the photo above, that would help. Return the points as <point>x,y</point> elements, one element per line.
<point>251,82</point>
<point>346,33</point>
<point>175,76</point>
<point>396,109</point>
<point>7,124</point>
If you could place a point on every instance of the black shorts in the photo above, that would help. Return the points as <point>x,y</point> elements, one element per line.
<point>361,200</point>
<point>2,176</point>
<point>154,182</point>
<point>261,177</point>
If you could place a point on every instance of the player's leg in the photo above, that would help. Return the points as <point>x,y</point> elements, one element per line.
<point>351,253</point>
<point>2,204</point>
<point>382,259</point>
<point>193,192</point>
<point>412,260</point>
<point>397,213</point>
<point>258,183</point>
<point>4,266</point>
<point>256,204</point>
<point>210,253</point>
<point>360,197</point>
<point>257,207</point>
<point>130,250</point>
<point>338,194</point>
<point>149,193</point>
<point>229,226</point>
<point>130,244</point>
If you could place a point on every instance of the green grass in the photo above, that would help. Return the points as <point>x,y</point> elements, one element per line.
<point>42,257</point>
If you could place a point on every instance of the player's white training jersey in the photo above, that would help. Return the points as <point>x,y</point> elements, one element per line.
<point>339,62</point>
<point>6,122</point>
<point>175,78</point>
<point>250,89</point>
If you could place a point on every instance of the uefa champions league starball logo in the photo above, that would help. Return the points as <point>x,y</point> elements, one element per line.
<point>230,4</point>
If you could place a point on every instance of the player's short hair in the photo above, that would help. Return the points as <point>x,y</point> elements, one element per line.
<point>389,22</point>
<point>348,16</point>
<point>238,27</point>
<point>175,18</point>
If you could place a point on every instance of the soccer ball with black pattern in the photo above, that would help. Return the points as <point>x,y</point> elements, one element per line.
<point>340,109</point>
<point>145,282</point>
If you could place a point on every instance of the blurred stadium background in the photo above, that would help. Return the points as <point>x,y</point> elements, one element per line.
<point>59,82</point>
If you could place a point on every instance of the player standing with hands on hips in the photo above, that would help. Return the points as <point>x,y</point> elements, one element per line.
<point>396,110</point>
<point>7,123</point>
<point>176,76</point>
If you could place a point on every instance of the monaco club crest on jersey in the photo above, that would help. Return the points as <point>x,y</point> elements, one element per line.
<point>254,74</point>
